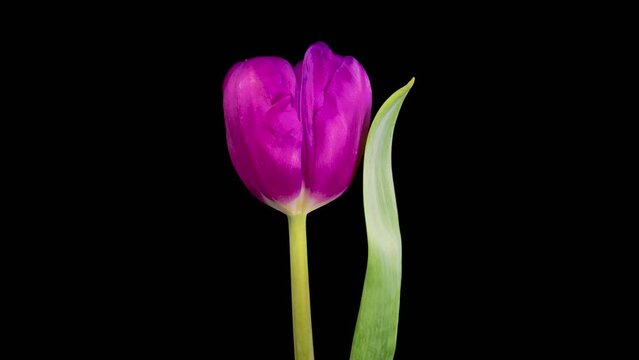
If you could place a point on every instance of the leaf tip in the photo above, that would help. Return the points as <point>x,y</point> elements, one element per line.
<point>411,82</point>
<point>406,88</point>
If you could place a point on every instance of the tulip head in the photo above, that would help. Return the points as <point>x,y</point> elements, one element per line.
<point>295,134</point>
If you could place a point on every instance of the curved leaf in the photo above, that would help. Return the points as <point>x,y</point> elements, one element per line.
<point>376,330</point>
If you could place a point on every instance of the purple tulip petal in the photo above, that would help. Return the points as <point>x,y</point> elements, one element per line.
<point>263,131</point>
<point>334,105</point>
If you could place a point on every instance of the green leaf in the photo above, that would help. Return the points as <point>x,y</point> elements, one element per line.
<point>376,330</point>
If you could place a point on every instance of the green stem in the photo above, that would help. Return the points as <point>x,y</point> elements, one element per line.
<point>302,330</point>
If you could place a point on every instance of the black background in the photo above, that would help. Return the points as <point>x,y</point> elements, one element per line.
<point>180,259</point>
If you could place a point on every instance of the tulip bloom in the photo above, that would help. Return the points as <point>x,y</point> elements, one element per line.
<point>296,133</point>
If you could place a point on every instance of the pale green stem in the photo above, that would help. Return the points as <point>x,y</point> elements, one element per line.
<point>302,330</point>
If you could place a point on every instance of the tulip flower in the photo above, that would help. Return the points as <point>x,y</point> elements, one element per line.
<point>295,135</point>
